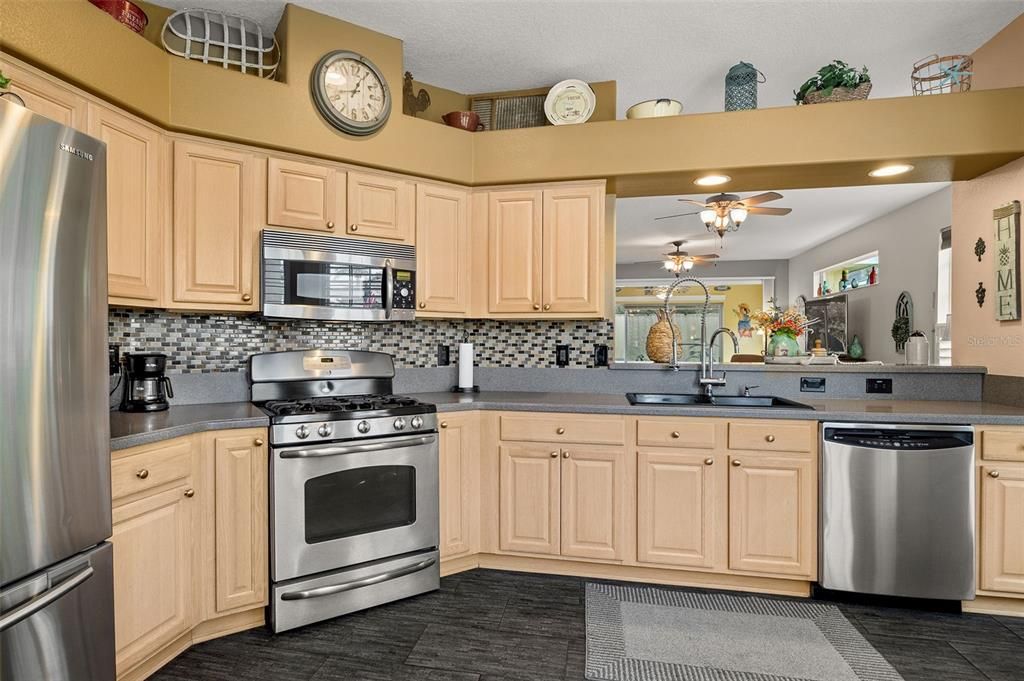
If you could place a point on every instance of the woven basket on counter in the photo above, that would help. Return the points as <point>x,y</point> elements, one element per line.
<point>839,94</point>
<point>659,340</point>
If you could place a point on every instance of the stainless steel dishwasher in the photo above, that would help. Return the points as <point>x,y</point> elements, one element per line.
<point>897,510</point>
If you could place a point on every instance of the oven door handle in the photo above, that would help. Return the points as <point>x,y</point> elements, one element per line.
<point>389,288</point>
<point>377,446</point>
<point>357,583</point>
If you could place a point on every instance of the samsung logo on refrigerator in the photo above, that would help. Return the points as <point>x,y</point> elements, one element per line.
<point>74,151</point>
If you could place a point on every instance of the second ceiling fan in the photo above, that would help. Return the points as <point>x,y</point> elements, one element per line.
<point>723,213</point>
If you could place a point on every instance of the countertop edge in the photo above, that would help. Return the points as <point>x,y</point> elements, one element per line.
<point>171,432</point>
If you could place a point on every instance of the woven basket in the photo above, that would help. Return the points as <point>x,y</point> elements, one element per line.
<point>839,94</point>
<point>659,340</point>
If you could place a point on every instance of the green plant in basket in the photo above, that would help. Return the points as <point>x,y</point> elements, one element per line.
<point>835,74</point>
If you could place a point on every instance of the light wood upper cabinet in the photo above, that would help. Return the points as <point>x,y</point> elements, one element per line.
<point>305,195</point>
<point>514,260</point>
<point>240,518</point>
<point>138,198</point>
<point>44,96</point>
<point>459,436</point>
<point>594,503</point>
<point>214,227</point>
<point>1002,528</point>
<point>442,250</point>
<point>528,499</point>
<point>380,207</point>
<point>772,515</point>
<point>681,508</point>
<point>572,249</point>
<point>154,572</point>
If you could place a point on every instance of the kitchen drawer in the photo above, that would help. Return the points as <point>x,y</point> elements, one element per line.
<point>592,430</point>
<point>151,468</point>
<point>685,433</point>
<point>772,436</point>
<point>1002,445</point>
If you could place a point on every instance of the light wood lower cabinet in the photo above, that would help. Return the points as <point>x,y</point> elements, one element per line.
<point>1001,544</point>
<point>529,498</point>
<point>595,502</point>
<point>459,472</point>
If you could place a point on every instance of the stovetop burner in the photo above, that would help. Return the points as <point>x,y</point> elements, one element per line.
<point>339,405</point>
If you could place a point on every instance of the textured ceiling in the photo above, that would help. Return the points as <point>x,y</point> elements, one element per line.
<point>818,215</point>
<point>680,48</point>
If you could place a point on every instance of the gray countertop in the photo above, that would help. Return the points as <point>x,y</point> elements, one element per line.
<point>130,430</point>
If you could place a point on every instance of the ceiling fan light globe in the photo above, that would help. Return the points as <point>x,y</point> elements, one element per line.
<point>738,215</point>
<point>688,264</point>
<point>707,216</point>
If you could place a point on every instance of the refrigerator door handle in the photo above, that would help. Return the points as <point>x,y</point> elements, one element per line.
<point>34,605</point>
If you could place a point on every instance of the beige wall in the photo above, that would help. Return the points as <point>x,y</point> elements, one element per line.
<point>977,337</point>
<point>442,101</point>
<point>1000,62</point>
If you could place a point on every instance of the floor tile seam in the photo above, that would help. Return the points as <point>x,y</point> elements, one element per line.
<point>1005,626</point>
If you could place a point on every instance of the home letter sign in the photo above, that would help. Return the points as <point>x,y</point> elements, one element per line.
<point>1007,259</point>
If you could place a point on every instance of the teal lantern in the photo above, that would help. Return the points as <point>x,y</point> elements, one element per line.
<point>741,87</point>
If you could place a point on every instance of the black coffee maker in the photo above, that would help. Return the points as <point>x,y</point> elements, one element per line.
<point>145,386</point>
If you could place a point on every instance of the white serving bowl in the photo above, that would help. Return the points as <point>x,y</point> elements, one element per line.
<point>655,108</point>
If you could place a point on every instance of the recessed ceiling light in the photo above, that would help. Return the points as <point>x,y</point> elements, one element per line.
<point>889,171</point>
<point>711,180</point>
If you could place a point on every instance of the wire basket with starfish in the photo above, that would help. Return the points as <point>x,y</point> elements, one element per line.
<point>937,75</point>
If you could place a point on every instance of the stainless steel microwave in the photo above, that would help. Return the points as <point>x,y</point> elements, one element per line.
<point>307,276</point>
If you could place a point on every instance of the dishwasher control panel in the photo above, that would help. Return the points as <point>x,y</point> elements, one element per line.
<point>899,439</point>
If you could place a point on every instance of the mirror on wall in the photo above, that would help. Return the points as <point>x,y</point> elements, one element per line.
<point>841,255</point>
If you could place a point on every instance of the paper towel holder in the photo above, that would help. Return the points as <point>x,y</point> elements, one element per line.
<point>457,389</point>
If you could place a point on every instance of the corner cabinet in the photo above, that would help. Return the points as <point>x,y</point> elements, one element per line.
<point>443,259</point>
<point>215,228</point>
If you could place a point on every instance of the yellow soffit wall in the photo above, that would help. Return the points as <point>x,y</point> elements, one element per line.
<point>951,137</point>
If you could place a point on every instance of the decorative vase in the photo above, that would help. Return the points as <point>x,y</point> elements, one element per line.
<point>856,350</point>
<point>783,345</point>
<point>659,340</point>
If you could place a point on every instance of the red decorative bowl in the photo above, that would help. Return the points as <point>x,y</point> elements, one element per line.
<point>128,13</point>
<point>465,120</point>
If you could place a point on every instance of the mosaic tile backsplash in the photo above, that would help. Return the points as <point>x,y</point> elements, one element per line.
<point>198,343</point>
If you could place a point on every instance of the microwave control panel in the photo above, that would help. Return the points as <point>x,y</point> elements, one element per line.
<point>404,287</point>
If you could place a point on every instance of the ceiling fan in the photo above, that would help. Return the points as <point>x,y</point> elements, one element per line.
<point>723,213</point>
<point>679,260</point>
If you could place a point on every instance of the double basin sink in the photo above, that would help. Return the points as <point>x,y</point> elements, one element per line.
<point>681,400</point>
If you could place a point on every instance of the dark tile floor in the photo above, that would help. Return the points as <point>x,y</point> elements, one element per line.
<point>488,625</point>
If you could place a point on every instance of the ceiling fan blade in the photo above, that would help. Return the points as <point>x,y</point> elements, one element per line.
<point>709,256</point>
<point>696,203</point>
<point>764,210</point>
<point>677,215</point>
<point>761,198</point>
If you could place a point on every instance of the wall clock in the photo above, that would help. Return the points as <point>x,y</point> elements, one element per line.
<point>350,92</point>
<point>568,102</point>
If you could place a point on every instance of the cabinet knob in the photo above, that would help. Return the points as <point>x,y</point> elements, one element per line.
<point>258,442</point>
<point>737,462</point>
<point>560,431</point>
<point>675,434</point>
<point>769,438</point>
<point>330,225</point>
<point>246,297</point>
<point>708,461</point>
<point>444,424</point>
<point>993,474</point>
<point>536,307</point>
<point>190,493</point>
<point>547,306</point>
<point>142,474</point>
<point>554,455</point>
<point>565,455</point>
<point>422,305</point>
<point>353,228</point>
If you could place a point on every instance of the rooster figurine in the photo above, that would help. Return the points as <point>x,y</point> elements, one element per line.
<point>412,104</point>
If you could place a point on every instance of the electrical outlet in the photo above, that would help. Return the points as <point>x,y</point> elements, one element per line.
<point>812,384</point>
<point>879,385</point>
<point>113,359</point>
<point>444,355</point>
<point>600,355</point>
<point>562,355</point>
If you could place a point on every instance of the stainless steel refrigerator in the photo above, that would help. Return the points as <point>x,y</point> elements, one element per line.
<point>56,579</point>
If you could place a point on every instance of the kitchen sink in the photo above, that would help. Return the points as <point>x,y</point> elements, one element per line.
<point>677,399</point>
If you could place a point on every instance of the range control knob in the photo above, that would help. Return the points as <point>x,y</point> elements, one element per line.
<point>416,422</point>
<point>302,432</point>
<point>363,427</point>
<point>325,430</point>
<point>399,423</point>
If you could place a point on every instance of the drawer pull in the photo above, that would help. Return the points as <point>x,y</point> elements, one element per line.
<point>444,424</point>
<point>993,474</point>
<point>560,431</point>
<point>142,474</point>
<point>565,455</point>
<point>246,297</point>
<point>708,461</point>
<point>737,462</point>
<point>554,455</point>
<point>769,438</point>
<point>675,434</point>
<point>190,493</point>
<point>258,442</point>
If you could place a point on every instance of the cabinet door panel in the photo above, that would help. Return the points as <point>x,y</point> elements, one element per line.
<point>772,515</point>
<point>153,574</point>
<point>1002,528</point>
<point>137,194</point>
<point>442,250</point>
<point>572,249</point>
<point>681,508</point>
<point>459,473</point>
<point>240,474</point>
<point>44,96</point>
<point>213,226</point>
<point>380,207</point>
<point>515,234</point>
<point>304,195</point>
<point>528,505</point>
<point>594,491</point>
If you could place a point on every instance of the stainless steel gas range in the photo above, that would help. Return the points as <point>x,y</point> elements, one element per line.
<point>353,484</point>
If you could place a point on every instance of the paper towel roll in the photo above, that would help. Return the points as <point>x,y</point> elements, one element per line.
<point>465,365</point>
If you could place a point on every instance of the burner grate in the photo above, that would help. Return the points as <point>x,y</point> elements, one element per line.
<point>327,405</point>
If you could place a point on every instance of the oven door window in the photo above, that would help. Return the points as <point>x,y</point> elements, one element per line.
<point>324,284</point>
<point>359,501</point>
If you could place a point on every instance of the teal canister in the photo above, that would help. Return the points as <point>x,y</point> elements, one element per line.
<point>741,87</point>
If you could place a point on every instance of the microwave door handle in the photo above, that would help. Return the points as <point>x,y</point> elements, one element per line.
<point>389,288</point>
<point>31,607</point>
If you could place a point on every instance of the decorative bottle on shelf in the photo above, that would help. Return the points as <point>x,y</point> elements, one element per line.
<point>844,283</point>
<point>819,289</point>
<point>872,276</point>
<point>856,350</point>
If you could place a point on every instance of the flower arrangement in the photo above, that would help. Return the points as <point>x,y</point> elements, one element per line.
<point>780,322</point>
<point>836,74</point>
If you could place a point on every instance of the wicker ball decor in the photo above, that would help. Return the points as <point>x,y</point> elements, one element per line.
<point>839,94</point>
<point>659,340</point>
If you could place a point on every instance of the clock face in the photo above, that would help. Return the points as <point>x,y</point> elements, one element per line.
<point>351,93</point>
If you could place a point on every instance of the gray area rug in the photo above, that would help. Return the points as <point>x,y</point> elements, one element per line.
<point>637,633</point>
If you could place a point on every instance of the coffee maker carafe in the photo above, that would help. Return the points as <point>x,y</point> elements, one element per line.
<point>145,386</point>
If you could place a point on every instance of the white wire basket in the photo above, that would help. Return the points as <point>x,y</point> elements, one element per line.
<point>233,41</point>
